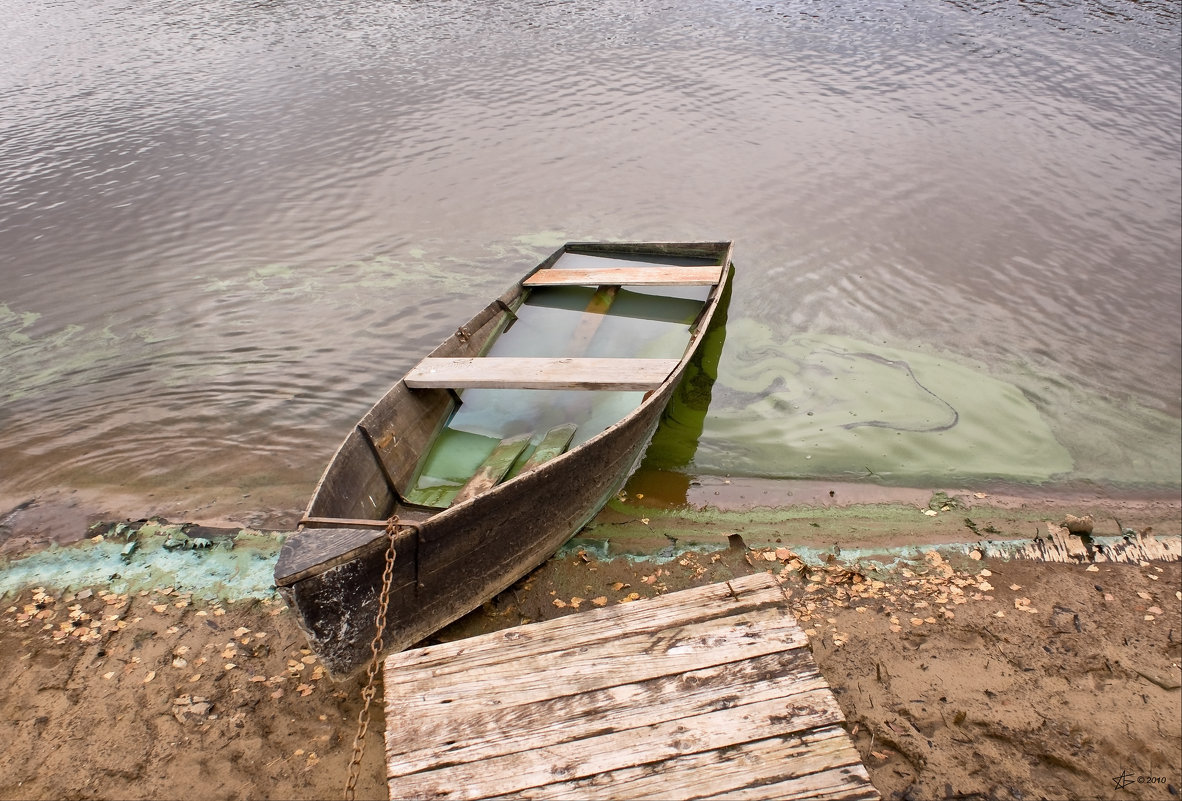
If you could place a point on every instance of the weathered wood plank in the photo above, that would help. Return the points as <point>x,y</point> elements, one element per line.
<point>615,750</point>
<point>530,679</point>
<point>821,764</point>
<point>504,372</point>
<point>555,442</point>
<point>671,697</point>
<point>680,638</point>
<point>315,550</point>
<point>494,468</point>
<point>645,616</point>
<point>653,275</point>
<point>594,316</point>
<point>424,740</point>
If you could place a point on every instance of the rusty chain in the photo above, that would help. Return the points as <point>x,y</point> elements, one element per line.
<point>376,647</point>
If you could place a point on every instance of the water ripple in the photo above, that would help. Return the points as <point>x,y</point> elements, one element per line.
<point>225,227</point>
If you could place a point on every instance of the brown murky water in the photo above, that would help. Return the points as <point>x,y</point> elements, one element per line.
<point>226,228</point>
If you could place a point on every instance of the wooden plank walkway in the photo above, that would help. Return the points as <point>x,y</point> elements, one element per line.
<point>706,693</point>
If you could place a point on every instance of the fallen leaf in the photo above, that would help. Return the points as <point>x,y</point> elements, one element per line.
<point>600,601</point>
<point>561,604</point>
<point>1092,569</point>
<point>151,675</point>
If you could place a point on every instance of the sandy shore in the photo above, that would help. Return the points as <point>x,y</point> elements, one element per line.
<point>959,677</point>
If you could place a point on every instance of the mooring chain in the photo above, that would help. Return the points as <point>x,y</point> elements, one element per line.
<point>375,647</point>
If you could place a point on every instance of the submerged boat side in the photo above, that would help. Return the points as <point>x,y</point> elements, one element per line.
<point>456,558</point>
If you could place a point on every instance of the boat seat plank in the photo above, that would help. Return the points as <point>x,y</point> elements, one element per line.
<point>555,442</point>
<point>502,372</point>
<point>630,276</point>
<point>494,467</point>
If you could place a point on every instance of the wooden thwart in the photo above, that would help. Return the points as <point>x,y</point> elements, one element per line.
<point>706,693</point>
<point>502,372</point>
<point>626,276</point>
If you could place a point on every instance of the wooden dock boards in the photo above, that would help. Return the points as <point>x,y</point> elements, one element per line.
<point>706,693</point>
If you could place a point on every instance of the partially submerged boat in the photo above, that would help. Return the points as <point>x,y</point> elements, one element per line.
<point>500,445</point>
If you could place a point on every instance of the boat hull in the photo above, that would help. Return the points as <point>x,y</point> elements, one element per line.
<point>447,562</point>
<point>454,563</point>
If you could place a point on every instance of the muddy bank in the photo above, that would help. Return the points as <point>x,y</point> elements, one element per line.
<point>659,508</point>
<point>961,677</point>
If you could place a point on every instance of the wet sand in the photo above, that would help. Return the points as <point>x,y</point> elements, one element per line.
<point>980,678</point>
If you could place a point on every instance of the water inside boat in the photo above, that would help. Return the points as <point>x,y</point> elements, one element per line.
<point>560,321</point>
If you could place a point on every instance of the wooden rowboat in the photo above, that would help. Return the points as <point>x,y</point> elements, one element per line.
<point>495,449</point>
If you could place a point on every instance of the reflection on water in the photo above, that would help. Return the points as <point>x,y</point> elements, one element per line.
<point>225,228</point>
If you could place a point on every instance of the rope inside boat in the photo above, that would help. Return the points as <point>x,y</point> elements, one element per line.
<point>376,647</point>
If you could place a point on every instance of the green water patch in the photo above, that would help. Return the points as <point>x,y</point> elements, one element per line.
<point>811,405</point>
<point>225,565</point>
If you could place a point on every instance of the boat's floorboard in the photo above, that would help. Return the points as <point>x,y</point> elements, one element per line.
<point>706,693</point>
<point>504,372</point>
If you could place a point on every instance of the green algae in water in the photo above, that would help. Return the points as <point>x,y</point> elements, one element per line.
<point>815,405</point>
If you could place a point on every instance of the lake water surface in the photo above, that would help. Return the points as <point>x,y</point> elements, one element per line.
<point>226,228</point>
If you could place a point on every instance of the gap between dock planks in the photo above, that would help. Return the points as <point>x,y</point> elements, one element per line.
<point>705,693</point>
